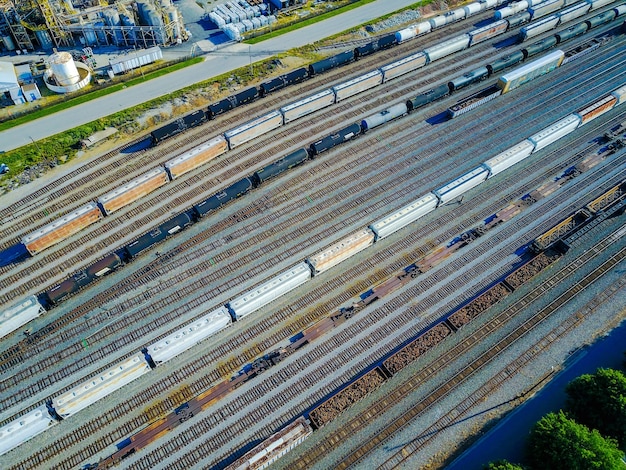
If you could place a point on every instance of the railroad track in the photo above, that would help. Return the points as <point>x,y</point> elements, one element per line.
<point>70,262</point>
<point>313,356</point>
<point>227,435</point>
<point>149,160</point>
<point>246,215</point>
<point>63,187</point>
<point>522,361</point>
<point>456,352</point>
<point>40,367</point>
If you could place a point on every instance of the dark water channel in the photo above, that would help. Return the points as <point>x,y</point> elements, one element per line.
<point>506,440</point>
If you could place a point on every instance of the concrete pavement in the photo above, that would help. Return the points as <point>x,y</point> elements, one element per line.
<point>226,59</point>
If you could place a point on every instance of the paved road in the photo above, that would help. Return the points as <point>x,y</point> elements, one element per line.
<point>224,60</point>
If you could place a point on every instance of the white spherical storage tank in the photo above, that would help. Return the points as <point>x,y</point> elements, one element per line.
<point>64,68</point>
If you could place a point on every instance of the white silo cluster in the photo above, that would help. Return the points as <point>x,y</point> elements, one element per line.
<point>237,17</point>
<point>65,75</point>
<point>149,16</point>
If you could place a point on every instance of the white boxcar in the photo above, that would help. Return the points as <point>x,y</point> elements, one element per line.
<point>545,8</point>
<point>555,132</point>
<point>24,428</point>
<point>573,12</point>
<point>19,314</point>
<point>383,117</point>
<point>448,47</point>
<point>100,386</point>
<point>412,31</point>
<point>539,27</point>
<point>402,66</point>
<point>509,157</point>
<point>342,250</point>
<point>472,9</point>
<point>620,95</point>
<point>358,85</point>
<point>197,156</point>
<point>408,214</point>
<point>455,188</point>
<point>595,4</point>
<point>133,190</point>
<point>270,290</point>
<point>596,109</point>
<point>248,131</point>
<point>308,105</point>
<point>530,71</point>
<point>190,335</point>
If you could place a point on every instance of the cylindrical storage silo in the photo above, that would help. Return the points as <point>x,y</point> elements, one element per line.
<point>63,68</point>
<point>44,39</point>
<point>129,21</point>
<point>112,18</point>
<point>100,34</point>
<point>172,17</point>
<point>8,43</point>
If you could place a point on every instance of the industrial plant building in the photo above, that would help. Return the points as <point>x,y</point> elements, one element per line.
<point>27,25</point>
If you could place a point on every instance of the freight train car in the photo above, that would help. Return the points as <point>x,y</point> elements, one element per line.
<point>196,157</point>
<point>407,215</point>
<point>487,32</point>
<point>24,428</point>
<point>450,191</point>
<point>231,102</point>
<point>404,65</point>
<point>223,197</point>
<point>340,251</point>
<point>331,62</point>
<point>339,137</point>
<point>133,190</point>
<point>269,291</point>
<point>538,27</point>
<point>157,235</point>
<point>253,129</point>
<point>307,105</point>
<point>428,97</point>
<point>188,336</point>
<point>445,48</point>
<point>83,278</point>
<point>530,71</point>
<point>379,44</point>
<point>284,164</point>
<point>18,314</point>
<point>291,78</point>
<point>384,116</point>
<point>99,386</point>
<point>357,85</point>
<point>554,132</point>
<point>62,228</point>
<point>179,125</point>
<point>274,447</point>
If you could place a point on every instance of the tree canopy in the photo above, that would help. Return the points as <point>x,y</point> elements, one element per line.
<point>599,402</point>
<point>557,442</point>
<point>502,465</point>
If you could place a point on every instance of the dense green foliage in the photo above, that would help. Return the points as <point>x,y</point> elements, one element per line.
<point>502,465</point>
<point>599,402</point>
<point>557,442</point>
